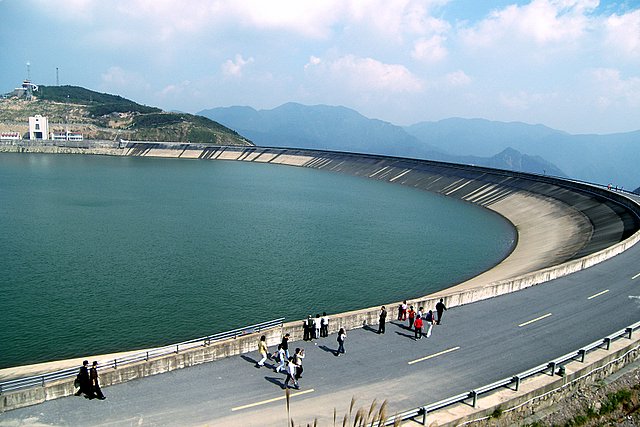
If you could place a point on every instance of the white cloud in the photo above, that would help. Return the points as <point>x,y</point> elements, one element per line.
<point>457,79</point>
<point>611,88</point>
<point>542,22</point>
<point>234,68</point>
<point>176,90</point>
<point>117,79</point>
<point>393,19</point>
<point>524,100</point>
<point>366,74</point>
<point>623,34</point>
<point>115,76</point>
<point>430,50</point>
<point>69,9</point>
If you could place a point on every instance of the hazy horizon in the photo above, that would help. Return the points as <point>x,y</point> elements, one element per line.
<point>572,65</point>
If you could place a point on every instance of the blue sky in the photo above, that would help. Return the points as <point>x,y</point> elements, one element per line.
<point>573,65</point>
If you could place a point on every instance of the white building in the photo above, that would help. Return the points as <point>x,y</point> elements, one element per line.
<point>38,128</point>
<point>66,136</point>
<point>10,136</point>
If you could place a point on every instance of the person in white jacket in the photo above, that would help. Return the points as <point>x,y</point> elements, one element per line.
<point>282,358</point>
<point>291,374</point>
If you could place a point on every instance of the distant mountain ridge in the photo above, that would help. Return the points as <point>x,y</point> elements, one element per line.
<point>342,129</point>
<point>319,127</point>
<point>602,159</point>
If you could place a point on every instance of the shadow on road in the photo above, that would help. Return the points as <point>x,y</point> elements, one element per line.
<point>328,350</point>
<point>370,329</point>
<point>277,381</point>
<point>249,359</point>
<point>412,336</point>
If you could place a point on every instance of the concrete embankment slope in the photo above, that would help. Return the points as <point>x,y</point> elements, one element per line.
<point>562,227</point>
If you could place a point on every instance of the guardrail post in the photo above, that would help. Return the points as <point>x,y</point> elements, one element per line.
<point>474,395</point>
<point>147,358</point>
<point>582,353</point>
<point>43,381</point>
<point>607,343</point>
<point>424,415</point>
<point>629,332</point>
<point>517,381</point>
<point>552,365</point>
<point>115,364</point>
<point>177,348</point>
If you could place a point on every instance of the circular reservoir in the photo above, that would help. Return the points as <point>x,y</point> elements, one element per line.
<point>105,254</point>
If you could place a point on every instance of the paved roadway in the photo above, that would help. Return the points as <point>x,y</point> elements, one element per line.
<point>483,342</point>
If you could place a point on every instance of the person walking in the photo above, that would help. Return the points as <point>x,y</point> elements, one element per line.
<point>418,327</point>
<point>297,360</point>
<point>263,350</point>
<point>440,308</point>
<point>282,359</point>
<point>412,316</point>
<point>429,322</point>
<point>95,385</point>
<point>342,335</point>
<point>324,325</point>
<point>291,374</point>
<point>382,320</point>
<point>285,344</point>
<point>84,381</point>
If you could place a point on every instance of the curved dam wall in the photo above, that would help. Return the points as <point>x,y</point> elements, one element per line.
<point>563,227</point>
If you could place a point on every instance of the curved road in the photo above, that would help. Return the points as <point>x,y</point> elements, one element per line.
<point>481,343</point>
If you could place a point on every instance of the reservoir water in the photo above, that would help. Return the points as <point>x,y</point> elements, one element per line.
<point>105,254</point>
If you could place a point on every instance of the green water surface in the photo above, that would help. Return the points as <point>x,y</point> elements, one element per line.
<point>104,254</point>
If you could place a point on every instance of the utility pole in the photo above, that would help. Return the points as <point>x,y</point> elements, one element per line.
<point>57,77</point>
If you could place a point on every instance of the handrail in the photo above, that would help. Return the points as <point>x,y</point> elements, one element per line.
<point>419,414</point>
<point>40,380</point>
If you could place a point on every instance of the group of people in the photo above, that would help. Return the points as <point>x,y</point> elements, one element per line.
<point>419,321</point>
<point>315,327</point>
<point>291,365</point>
<point>87,381</point>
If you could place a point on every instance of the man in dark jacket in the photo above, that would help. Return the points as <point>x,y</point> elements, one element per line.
<point>383,319</point>
<point>84,381</point>
<point>440,308</point>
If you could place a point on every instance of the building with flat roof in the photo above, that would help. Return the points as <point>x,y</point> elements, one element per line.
<point>66,136</point>
<point>10,136</point>
<point>38,128</point>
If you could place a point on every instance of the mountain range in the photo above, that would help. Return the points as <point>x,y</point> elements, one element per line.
<point>513,146</point>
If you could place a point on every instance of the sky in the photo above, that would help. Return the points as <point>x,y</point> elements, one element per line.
<point>573,65</point>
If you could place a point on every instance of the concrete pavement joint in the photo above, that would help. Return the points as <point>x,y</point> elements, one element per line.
<point>598,294</point>
<point>534,320</point>
<point>275,399</point>
<point>433,355</point>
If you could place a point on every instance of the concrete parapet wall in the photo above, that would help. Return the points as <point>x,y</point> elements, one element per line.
<point>609,221</point>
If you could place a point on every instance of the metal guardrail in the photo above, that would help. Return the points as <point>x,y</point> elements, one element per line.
<point>41,380</point>
<point>419,414</point>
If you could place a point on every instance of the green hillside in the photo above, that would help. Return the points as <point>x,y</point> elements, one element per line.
<point>104,116</point>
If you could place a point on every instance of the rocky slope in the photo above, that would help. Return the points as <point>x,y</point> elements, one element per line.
<point>110,117</point>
